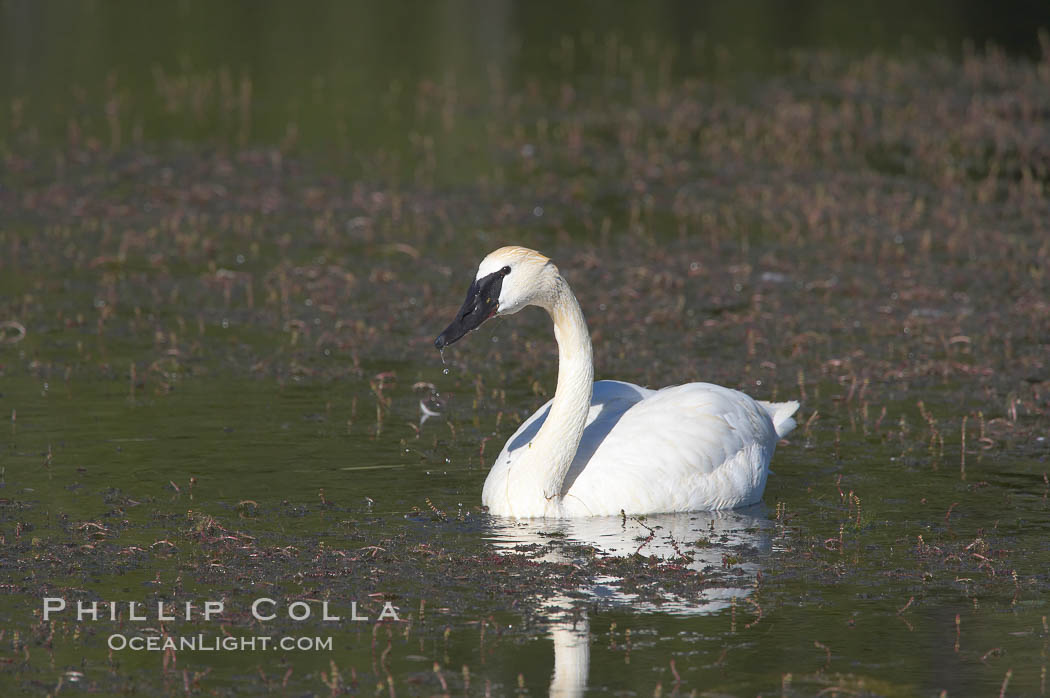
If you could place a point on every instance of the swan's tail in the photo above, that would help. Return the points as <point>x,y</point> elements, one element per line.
<point>780,413</point>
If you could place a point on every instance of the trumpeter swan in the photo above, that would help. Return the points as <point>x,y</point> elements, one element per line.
<point>608,447</point>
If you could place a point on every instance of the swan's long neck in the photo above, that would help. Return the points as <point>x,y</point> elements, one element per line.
<point>554,447</point>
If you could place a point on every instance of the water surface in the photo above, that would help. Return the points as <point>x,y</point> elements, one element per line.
<point>231,244</point>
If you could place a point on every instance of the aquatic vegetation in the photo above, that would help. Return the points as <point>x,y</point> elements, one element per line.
<point>216,340</point>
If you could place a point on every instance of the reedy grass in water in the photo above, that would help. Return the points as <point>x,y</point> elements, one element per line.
<point>217,334</point>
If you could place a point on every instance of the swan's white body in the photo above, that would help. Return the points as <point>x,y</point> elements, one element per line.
<point>609,447</point>
<point>693,447</point>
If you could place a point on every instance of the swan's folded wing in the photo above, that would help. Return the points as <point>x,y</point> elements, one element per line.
<point>609,401</point>
<point>695,446</point>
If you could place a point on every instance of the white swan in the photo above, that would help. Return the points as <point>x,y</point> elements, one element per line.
<point>597,449</point>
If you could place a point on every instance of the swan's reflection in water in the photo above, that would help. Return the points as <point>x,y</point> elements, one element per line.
<point>702,538</point>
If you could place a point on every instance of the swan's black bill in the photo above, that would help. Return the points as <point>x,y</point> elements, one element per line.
<point>481,304</point>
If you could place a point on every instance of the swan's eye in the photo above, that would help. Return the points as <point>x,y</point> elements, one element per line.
<point>505,270</point>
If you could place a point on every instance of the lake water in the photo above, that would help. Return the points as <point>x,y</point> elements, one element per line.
<point>230,233</point>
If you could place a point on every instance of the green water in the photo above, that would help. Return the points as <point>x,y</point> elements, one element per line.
<point>231,233</point>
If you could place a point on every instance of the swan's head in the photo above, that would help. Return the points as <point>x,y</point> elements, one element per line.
<point>507,280</point>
